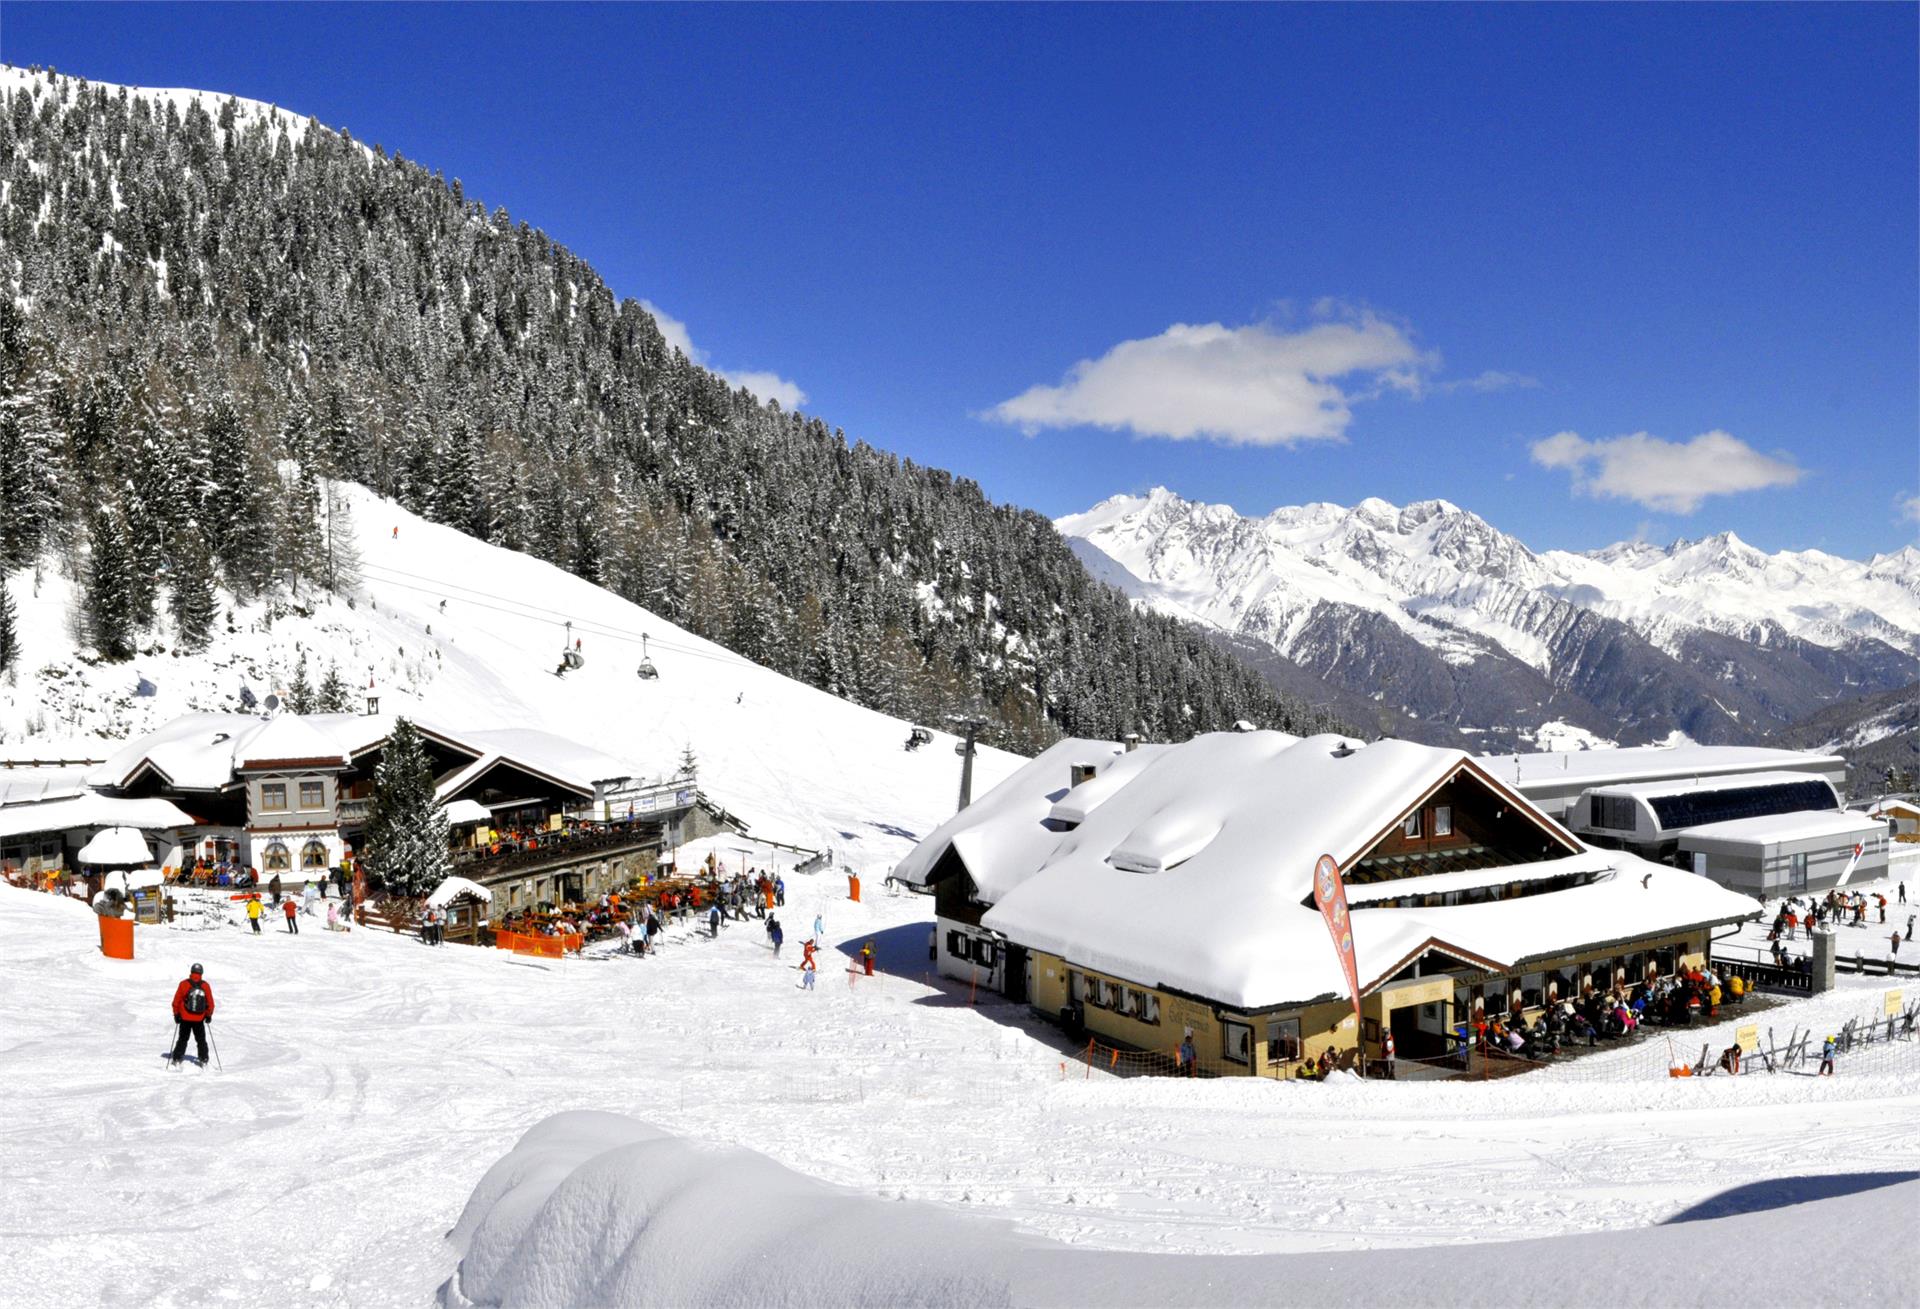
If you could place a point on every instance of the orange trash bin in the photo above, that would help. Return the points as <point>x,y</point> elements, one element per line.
<point>116,937</point>
<point>853,886</point>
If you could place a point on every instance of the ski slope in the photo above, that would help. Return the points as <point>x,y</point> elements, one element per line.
<point>801,766</point>
<point>370,1083</point>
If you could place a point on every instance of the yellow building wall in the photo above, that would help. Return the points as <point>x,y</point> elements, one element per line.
<point>1324,1025</point>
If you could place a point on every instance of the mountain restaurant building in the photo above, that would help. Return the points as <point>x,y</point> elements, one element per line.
<point>1181,903</point>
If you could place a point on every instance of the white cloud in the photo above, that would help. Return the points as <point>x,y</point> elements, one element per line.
<point>1668,476</point>
<point>1252,385</point>
<point>1493,379</point>
<point>1909,508</point>
<point>768,386</point>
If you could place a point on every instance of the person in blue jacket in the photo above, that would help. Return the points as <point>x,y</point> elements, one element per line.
<point>1828,1048</point>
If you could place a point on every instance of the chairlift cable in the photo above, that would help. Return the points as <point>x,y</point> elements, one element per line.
<point>521,609</point>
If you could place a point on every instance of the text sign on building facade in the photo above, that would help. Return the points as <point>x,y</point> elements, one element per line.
<point>1330,894</point>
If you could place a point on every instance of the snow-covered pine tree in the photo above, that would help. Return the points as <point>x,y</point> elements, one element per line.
<point>30,464</point>
<point>191,598</point>
<point>406,838</point>
<point>9,629</point>
<point>108,602</point>
<point>300,697</point>
<point>333,696</point>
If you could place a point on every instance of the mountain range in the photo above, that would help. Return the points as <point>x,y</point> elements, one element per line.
<point>1428,621</point>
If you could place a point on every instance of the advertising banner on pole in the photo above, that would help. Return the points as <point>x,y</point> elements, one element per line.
<point>1330,894</point>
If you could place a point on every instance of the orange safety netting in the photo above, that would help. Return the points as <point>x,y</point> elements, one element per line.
<point>548,947</point>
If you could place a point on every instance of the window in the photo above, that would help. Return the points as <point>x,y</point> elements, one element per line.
<point>1237,1042</point>
<point>1149,1007</point>
<point>1693,808</point>
<point>313,855</point>
<point>956,945</point>
<point>1495,996</point>
<point>983,951</point>
<point>1533,990</point>
<point>1798,872</point>
<point>1283,1040</point>
<point>1613,812</point>
<point>273,797</point>
<point>1443,820</point>
<point>276,859</point>
<point>1411,827</point>
<point>312,795</point>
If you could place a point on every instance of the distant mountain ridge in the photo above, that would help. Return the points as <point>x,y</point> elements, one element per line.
<point>1441,618</point>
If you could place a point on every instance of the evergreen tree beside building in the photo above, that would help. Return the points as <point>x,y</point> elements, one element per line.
<point>406,840</point>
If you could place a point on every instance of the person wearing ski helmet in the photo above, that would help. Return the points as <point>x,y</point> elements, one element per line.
<point>192,1011</point>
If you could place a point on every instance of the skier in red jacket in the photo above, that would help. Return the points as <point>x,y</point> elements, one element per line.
<point>192,1011</point>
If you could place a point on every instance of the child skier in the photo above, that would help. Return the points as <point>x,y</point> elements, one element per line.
<point>776,934</point>
<point>1828,1049</point>
<point>254,911</point>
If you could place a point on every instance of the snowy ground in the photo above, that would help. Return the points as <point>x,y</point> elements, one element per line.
<point>369,1083</point>
<point>1871,939</point>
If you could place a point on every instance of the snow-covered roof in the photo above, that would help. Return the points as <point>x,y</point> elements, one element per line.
<point>204,752</point>
<point>1197,875</point>
<point>1689,785</point>
<point>37,785</point>
<point>1076,804</point>
<point>1770,828</point>
<point>1643,763</point>
<point>1883,807</point>
<point>467,811</point>
<point>288,741</point>
<point>115,845</point>
<point>1002,836</point>
<point>453,888</point>
<point>91,810</point>
<point>194,752</point>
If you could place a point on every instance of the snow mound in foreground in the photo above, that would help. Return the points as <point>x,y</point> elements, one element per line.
<point>598,1208</point>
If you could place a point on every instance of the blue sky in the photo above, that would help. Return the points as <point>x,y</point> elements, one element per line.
<point>1593,272</point>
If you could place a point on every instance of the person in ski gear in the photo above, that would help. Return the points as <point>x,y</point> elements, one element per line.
<point>866,958</point>
<point>780,891</point>
<point>776,934</point>
<point>192,1011</point>
<point>807,972</point>
<point>254,911</point>
<point>713,918</point>
<point>273,888</point>
<point>1387,1060</point>
<point>293,927</point>
<point>819,928</point>
<point>1189,1063</point>
<point>1828,1048</point>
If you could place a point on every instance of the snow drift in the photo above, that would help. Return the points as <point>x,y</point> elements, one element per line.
<point>598,1209</point>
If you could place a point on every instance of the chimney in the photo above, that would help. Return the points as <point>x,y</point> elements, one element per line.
<point>1133,741</point>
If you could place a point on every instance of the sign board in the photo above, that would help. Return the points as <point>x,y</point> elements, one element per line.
<point>1894,999</point>
<point>1747,1037</point>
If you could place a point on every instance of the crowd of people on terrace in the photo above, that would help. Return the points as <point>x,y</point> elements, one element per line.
<point>640,914</point>
<point>1603,1013</point>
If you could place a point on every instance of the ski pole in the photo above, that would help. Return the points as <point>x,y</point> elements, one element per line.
<point>215,1046</point>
